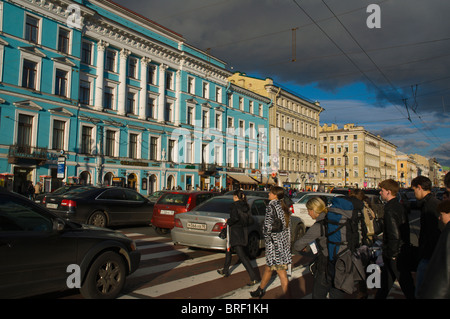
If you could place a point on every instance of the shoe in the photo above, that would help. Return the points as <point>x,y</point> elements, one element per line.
<point>223,273</point>
<point>257,293</point>
<point>252,283</point>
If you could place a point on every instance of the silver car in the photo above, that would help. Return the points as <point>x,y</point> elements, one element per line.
<point>201,226</point>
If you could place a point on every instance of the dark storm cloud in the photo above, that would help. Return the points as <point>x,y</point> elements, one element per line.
<point>254,36</point>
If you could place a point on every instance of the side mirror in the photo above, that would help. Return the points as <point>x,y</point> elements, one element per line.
<point>59,225</point>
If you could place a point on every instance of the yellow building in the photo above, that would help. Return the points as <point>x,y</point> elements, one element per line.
<point>406,169</point>
<point>294,132</point>
<point>364,158</point>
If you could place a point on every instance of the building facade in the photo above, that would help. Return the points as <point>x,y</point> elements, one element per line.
<point>94,93</point>
<point>354,157</point>
<point>294,132</point>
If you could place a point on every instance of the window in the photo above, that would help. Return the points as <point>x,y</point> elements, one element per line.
<point>169,80</point>
<point>219,121</point>
<point>151,74</point>
<point>205,118</point>
<point>132,68</point>
<point>218,94</point>
<point>61,82</point>
<point>109,98</point>
<point>205,90</point>
<point>86,52</point>
<point>63,40</point>
<point>189,151</point>
<point>25,131</point>
<point>191,85</point>
<point>241,103</point>
<point>58,135</point>
<point>151,104</point>
<point>86,140</point>
<point>241,128</point>
<point>85,92</point>
<point>32,29</point>
<point>131,103</point>
<point>110,147</point>
<point>29,74</point>
<point>110,64</point>
<point>169,112</point>
<point>190,115</point>
<point>153,148</point>
<point>171,152</point>
<point>241,158</point>
<point>133,146</point>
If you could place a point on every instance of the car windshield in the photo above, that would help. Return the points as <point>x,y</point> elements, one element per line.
<point>216,205</point>
<point>174,199</point>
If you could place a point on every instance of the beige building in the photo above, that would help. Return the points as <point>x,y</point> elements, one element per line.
<point>294,132</point>
<point>364,158</point>
<point>406,169</point>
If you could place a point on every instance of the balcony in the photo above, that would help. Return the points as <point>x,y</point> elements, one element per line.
<point>24,152</point>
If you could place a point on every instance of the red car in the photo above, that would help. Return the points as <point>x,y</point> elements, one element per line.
<point>175,202</point>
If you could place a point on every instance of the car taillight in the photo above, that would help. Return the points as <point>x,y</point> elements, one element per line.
<point>291,209</point>
<point>188,202</point>
<point>219,226</point>
<point>69,203</point>
<point>44,199</point>
<point>178,223</point>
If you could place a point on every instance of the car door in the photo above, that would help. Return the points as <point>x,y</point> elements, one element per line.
<point>139,209</point>
<point>113,200</point>
<point>34,256</point>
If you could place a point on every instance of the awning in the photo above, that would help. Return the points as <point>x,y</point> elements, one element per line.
<point>243,179</point>
<point>268,181</point>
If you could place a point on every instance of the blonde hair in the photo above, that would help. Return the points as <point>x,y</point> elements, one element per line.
<point>317,205</point>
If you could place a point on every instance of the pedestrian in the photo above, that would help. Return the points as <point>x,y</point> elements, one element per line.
<point>436,280</point>
<point>37,188</point>
<point>315,236</point>
<point>429,224</point>
<point>238,233</point>
<point>278,244</point>
<point>396,235</point>
<point>30,190</point>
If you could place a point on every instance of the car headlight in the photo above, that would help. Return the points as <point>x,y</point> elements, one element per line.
<point>133,246</point>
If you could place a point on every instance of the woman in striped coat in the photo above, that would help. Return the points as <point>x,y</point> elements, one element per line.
<point>278,245</point>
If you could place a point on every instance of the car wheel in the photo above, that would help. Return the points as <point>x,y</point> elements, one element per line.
<point>253,245</point>
<point>98,219</point>
<point>105,278</point>
<point>162,231</point>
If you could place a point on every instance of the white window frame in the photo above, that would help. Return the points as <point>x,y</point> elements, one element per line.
<point>66,131</point>
<point>191,85</point>
<point>67,69</point>
<point>116,140</point>
<point>34,129</point>
<point>93,137</point>
<point>25,27</point>
<point>69,49</point>
<point>138,146</point>
<point>34,58</point>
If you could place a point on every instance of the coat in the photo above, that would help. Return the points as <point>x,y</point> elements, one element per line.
<point>238,232</point>
<point>436,283</point>
<point>429,226</point>
<point>396,229</point>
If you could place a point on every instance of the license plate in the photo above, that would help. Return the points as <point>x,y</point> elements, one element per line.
<point>196,226</point>
<point>53,206</point>
<point>166,212</point>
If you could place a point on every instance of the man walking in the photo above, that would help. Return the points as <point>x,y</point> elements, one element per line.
<point>395,236</point>
<point>429,223</point>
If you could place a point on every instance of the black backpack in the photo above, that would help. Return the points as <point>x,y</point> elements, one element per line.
<point>246,218</point>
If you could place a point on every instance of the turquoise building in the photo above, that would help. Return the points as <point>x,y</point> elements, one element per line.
<point>93,93</point>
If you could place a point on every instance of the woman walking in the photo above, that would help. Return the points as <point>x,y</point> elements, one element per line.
<point>238,236</point>
<point>278,244</point>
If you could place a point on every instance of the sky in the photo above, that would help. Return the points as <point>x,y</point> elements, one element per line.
<point>386,69</point>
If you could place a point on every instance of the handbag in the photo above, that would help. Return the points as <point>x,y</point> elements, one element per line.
<point>277,225</point>
<point>223,233</point>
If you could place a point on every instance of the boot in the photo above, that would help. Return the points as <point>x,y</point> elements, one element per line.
<point>258,293</point>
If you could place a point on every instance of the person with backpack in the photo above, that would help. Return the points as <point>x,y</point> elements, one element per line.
<point>240,219</point>
<point>396,239</point>
<point>335,270</point>
<point>277,236</point>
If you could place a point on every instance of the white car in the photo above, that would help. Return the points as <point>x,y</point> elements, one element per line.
<point>300,201</point>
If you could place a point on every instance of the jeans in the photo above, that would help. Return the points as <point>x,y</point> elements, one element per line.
<point>420,273</point>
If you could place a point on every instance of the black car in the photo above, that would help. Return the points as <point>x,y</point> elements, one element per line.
<point>63,189</point>
<point>101,206</point>
<point>41,253</point>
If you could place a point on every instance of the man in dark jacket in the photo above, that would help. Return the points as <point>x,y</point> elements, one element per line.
<point>395,238</point>
<point>429,223</point>
<point>436,283</point>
